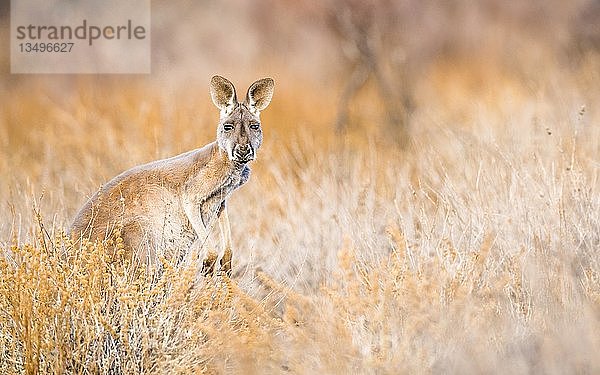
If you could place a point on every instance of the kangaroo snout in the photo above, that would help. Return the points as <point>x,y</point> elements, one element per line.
<point>243,153</point>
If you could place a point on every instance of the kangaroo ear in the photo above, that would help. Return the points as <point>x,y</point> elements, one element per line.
<point>260,93</point>
<point>222,92</point>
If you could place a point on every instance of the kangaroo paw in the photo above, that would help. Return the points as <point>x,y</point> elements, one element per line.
<point>208,265</point>
<point>226,262</point>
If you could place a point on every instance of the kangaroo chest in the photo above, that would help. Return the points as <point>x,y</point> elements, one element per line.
<point>212,205</point>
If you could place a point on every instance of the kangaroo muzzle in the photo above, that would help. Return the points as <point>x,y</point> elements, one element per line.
<point>243,153</point>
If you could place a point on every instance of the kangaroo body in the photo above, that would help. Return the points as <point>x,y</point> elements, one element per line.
<point>166,207</point>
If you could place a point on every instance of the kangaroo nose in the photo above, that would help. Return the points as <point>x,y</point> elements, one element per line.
<point>243,152</point>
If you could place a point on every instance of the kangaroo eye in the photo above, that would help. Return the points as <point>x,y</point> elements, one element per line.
<point>254,126</point>
<point>228,127</point>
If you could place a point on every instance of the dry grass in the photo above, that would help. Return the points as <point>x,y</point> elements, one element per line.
<point>475,250</point>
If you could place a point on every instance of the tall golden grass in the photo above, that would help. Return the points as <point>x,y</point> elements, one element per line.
<point>472,250</point>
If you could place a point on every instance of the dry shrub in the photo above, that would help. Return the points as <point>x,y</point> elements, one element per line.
<point>77,309</point>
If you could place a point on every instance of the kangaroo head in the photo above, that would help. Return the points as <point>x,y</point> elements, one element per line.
<point>239,133</point>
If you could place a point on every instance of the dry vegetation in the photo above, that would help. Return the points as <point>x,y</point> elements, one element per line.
<point>472,249</point>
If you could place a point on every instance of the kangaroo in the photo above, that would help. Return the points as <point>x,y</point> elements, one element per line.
<point>167,207</point>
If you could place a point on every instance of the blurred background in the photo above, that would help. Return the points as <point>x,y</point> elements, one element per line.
<point>428,180</point>
<point>378,61</point>
<point>352,78</point>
